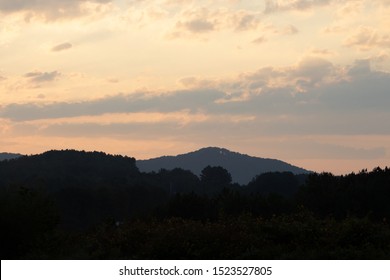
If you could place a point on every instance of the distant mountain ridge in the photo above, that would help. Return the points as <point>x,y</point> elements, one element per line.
<point>243,168</point>
<point>5,156</point>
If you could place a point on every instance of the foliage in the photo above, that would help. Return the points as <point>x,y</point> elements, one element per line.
<point>365,193</point>
<point>294,236</point>
<point>283,183</point>
<point>82,205</point>
<point>27,216</point>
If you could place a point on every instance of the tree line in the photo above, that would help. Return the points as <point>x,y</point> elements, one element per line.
<point>83,205</point>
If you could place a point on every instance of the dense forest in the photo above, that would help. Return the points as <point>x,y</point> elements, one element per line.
<point>90,205</point>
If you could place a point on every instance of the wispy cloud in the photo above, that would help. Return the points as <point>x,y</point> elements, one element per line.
<point>259,40</point>
<point>204,20</point>
<point>138,102</point>
<point>274,6</point>
<point>321,52</point>
<point>50,9</point>
<point>244,20</point>
<point>40,77</point>
<point>365,38</point>
<point>61,47</point>
<point>197,25</point>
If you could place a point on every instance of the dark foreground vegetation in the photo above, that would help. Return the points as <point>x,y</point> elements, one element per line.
<point>78,205</point>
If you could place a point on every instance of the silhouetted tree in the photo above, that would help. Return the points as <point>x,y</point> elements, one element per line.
<point>282,183</point>
<point>178,181</point>
<point>214,179</point>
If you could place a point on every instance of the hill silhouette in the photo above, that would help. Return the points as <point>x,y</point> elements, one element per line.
<point>65,168</point>
<point>90,205</point>
<point>243,168</point>
<point>6,156</point>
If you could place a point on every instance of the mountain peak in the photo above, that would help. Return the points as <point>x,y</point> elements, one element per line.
<point>242,167</point>
<point>213,151</point>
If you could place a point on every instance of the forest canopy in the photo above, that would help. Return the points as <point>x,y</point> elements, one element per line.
<point>81,205</point>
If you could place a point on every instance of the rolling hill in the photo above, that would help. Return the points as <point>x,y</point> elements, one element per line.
<point>242,167</point>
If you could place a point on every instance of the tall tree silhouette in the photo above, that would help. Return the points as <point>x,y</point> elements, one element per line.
<point>214,179</point>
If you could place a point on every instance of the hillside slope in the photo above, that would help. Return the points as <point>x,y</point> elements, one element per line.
<point>243,168</point>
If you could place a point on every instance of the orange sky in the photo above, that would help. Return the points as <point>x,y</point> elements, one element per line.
<point>304,81</point>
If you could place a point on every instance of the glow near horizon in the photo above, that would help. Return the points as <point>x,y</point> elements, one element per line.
<point>303,81</point>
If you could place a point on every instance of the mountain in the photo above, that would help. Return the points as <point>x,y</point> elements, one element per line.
<point>243,168</point>
<point>4,156</point>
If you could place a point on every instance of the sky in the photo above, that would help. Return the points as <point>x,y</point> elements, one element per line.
<point>304,81</point>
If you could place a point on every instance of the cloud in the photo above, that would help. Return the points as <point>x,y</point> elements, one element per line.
<point>197,25</point>
<point>204,20</point>
<point>40,77</point>
<point>274,6</point>
<point>139,102</point>
<point>309,73</point>
<point>367,91</point>
<point>366,38</point>
<point>259,40</point>
<point>338,102</point>
<point>360,68</point>
<point>321,52</point>
<point>313,97</point>
<point>349,9</point>
<point>194,82</point>
<point>312,86</point>
<point>50,9</point>
<point>334,29</point>
<point>113,80</point>
<point>143,131</point>
<point>280,30</point>
<point>313,69</point>
<point>195,21</point>
<point>61,47</point>
<point>244,20</point>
